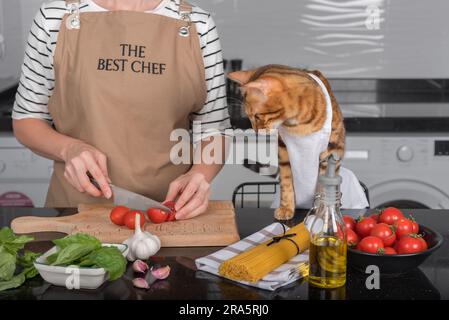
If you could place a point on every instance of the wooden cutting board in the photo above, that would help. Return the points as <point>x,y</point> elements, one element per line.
<point>217,227</point>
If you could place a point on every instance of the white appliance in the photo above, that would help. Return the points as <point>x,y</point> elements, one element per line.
<point>24,176</point>
<point>405,170</point>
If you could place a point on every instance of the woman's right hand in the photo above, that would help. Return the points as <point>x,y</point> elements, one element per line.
<point>81,158</point>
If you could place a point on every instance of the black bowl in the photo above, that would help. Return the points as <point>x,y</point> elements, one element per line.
<point>399,263</point>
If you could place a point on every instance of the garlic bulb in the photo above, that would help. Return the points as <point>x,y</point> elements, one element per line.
<point>142,245</point>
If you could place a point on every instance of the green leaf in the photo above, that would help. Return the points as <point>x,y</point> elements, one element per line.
<point>109,258</point>
<point>6,235</point>
<point>7,265</point>
<point>27,259</point>
<point>11,242</point>
<point>79,238</point>
<point>73,252</point>
<point>52,258</point>
<point>14,282</point>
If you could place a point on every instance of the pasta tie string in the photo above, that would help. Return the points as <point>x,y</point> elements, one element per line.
<point>285,237</point>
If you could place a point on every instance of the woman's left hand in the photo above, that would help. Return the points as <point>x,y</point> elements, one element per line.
<point>193,190</point>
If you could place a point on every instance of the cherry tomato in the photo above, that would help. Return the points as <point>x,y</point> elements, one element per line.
<point>423,243</point>
<point>158,216</point>
<point>117,215</point>
<point>375,216</point>
<point>130,219</point>
<point>415,225</point>
<point>370,244</point>
<point>409,244</point>
<point>390,215</point>
<point>352,238</point>
<point>403,227</point>
<point>364,226</point>
<point>349,222</point>
<point>384,232</point>
<point>387,250</point>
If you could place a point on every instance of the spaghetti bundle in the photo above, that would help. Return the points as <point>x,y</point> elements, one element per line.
<point>256,263</point>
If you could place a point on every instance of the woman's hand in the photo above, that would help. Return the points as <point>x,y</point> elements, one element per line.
<point>81,158</point>
<point>193,190</point>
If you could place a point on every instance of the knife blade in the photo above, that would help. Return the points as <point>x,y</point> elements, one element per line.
<point>134,200</point>
<point>123,197</point>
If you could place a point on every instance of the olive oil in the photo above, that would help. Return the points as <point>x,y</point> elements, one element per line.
<point>327,262</point>
<point>327,252</point>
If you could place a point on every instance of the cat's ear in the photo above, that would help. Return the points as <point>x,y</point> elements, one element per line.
<point>241,77</point>
<point>264,85</point>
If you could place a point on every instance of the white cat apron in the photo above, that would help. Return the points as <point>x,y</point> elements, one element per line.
<point>304,154</point>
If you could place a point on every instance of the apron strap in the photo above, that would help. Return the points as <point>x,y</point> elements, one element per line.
<point>184,7</point>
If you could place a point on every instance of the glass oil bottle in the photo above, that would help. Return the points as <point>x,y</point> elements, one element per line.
<point>327,253</point>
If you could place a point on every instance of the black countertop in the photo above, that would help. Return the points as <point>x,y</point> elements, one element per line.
<point>429,281</point>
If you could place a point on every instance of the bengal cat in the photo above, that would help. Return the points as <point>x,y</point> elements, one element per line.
<point>277,95</point>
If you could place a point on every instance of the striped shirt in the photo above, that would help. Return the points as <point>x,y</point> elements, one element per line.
<point>37,79</point>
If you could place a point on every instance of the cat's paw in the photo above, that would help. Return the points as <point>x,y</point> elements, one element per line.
<point>284,213</point>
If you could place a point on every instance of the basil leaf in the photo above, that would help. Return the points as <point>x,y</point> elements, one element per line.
<point>109,258</point>
<point>79,238</point>
<point>11,242</point>
<point>73,252</point>
<point>14,282</point>
<point>7,266</point>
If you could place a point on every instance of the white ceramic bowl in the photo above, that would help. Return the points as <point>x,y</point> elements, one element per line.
<point>73,277</point>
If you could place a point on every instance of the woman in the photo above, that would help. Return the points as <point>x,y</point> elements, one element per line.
<point>105,82</point>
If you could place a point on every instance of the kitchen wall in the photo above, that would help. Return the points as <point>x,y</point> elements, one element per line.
<point>343,38</point>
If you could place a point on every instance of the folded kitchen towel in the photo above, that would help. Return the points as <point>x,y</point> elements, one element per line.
<point>294,269</point>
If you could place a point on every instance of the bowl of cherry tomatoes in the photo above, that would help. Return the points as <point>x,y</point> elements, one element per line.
<point>390,240</point>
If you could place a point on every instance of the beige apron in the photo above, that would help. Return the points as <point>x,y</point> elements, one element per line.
<point>124,81</point>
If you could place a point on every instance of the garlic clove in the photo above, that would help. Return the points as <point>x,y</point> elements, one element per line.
<point>140,266</point>
<point>161,273</point>
<point>141,283</point>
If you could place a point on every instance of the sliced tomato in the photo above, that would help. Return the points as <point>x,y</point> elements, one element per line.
<point>158,216</point>
<point>130,219</point>
<point>117,215</point>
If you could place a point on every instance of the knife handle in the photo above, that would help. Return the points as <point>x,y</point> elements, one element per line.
<point>93,181</point>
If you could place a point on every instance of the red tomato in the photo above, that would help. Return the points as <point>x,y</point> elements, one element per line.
<point>364,226</point>
<point>387,250</point>
<point>130,219</point>
<point>170,205</point>
<point>409,244</point>
<point>352,238</point>
<point>423,243</point>
<point>117,215</point>
<point>403,227</point>
<point>370,244</point>
<point>390,215</point>
<point>375,216</point>
<point>384,232</point>
<point>349,222</point>
<point>415,225</point>
<point>159,216</point>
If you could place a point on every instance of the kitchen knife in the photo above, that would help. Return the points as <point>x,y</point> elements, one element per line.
<point>123,197</point>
